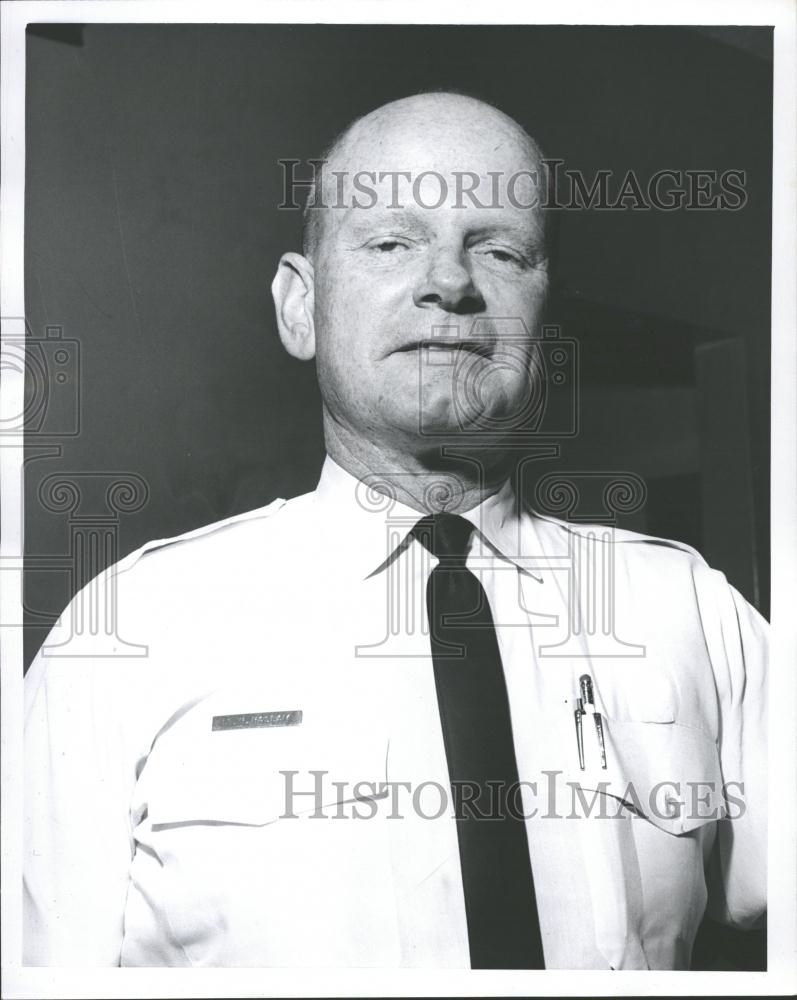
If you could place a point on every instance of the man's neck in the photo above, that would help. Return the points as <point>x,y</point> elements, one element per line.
<point>432,480</point>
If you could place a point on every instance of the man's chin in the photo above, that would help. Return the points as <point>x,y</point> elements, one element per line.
<point>439,419</point>
<point>445,417</point>
<point>438,416</point>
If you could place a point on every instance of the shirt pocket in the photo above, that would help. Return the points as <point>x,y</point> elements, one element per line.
<point>634,692</point>
<point>239,865</point>
<point>256,777</point>
<point>664,772</point>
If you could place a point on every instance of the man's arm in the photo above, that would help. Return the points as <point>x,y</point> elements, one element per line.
<point>739,648</point>
<point>80,770</point>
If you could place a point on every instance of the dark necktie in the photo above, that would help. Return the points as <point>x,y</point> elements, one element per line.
<point>500,906</point>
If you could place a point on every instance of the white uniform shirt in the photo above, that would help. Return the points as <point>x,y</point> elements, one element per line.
<point>153,838</point>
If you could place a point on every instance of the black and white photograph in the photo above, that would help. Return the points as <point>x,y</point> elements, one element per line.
<point>398,431</point>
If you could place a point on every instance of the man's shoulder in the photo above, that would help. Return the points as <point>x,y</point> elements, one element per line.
<point>648,571</point>
<point>244,537</point>
<point>556,535</point>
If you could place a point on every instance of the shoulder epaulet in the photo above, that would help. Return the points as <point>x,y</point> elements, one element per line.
<point>619,535</point>
<point>206,530</point>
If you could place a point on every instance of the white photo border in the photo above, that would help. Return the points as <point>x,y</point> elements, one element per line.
<point>781,976</point>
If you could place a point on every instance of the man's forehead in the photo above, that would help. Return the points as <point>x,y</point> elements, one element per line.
<point>432,151</point>
<point>451,149</point>
<point>358,200</point>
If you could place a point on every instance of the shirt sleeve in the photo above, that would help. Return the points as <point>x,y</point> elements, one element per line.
<point>80,763</point>
<point>738,644</point>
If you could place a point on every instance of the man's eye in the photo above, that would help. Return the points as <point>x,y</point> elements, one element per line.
<point>388,246</point>
<point>503,256</point>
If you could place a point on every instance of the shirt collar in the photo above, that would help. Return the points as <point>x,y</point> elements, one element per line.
<point>366,526</point>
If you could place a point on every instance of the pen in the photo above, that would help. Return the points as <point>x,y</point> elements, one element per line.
<point>586,699</point>
<point>601,742</point>
<point>579,716</point>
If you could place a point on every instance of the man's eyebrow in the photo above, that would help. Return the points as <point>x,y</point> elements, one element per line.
<point>531,241</point>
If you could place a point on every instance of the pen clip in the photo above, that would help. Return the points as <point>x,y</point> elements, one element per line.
<point>585,685</point>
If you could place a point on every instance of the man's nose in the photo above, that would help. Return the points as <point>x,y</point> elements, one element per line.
<point>448,284</point>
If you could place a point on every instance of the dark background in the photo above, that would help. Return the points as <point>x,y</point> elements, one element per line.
<point>152,235</point>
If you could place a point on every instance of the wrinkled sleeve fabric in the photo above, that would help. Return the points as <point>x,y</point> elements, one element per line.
<point>737,637</point>
<point>80,763</point>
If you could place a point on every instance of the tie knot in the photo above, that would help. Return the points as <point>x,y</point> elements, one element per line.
<point>444,535</point>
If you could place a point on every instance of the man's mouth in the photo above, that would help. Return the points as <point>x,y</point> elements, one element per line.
<point>440,345</point>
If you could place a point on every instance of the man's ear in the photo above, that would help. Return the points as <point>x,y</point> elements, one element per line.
<point>293,290</point>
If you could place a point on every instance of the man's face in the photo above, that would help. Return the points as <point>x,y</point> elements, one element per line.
<point>424,316</point>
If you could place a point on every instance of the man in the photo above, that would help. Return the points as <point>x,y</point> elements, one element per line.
<point>369,728</point>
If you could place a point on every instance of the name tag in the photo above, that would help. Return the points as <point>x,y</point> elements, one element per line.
<point>257,720</point>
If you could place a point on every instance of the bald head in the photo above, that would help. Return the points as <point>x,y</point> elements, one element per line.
<point>385,151</point>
